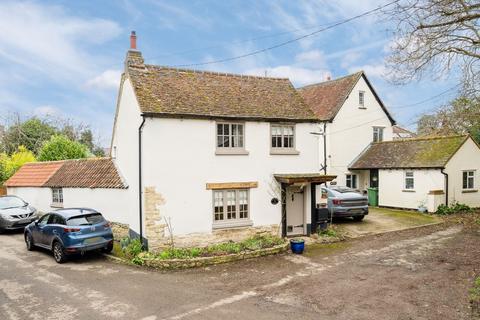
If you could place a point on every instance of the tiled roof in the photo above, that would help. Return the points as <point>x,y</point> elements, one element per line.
<point>431,152</point>
<point>326,98</point>
<point>80,173</point>
<point>170,92</point>
<point>34,174</point>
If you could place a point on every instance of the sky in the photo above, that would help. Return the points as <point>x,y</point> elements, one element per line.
<point>64,58</point>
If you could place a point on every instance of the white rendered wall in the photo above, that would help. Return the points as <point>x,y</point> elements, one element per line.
<point>466,158</point>
<point>112,203</point>
<point>40,198</point>
<point>392,191</point>
<point>125,142</point>
<point>179,160</point>
<point>352,131</point>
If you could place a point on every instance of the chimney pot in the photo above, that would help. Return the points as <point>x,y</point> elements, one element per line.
<point>133,41</point>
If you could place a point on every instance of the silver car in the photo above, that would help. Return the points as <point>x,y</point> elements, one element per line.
<point>15,213</point>
<point>346,202</point>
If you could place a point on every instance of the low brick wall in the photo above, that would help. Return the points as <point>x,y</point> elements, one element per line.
<point>205,261</point>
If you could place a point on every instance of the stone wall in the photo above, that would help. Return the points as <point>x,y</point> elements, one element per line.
<point>154,223</point>
<point>217,236</point>
<point>119,230</point>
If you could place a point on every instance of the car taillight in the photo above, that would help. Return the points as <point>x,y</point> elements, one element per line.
<point>107,225</point>
<point>337,201</point>
<point>71,230</point>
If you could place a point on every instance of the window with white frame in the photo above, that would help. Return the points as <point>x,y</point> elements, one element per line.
<point>230,135</point>
<point>230,206</point>
<point>282,136</point>
<point>352,181</point>
<point>361,98</point>
<point>469,180</point>
<point>377,134</point>
<point>409,180</point>
<point>57,196</point>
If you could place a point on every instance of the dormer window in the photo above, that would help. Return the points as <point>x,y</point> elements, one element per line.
<point>361,99</point>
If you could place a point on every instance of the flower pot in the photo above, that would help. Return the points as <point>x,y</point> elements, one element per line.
<point>297,245</point>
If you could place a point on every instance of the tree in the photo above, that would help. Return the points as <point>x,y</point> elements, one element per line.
<point>462,116</point>
<point>10,164</point>
<point>61,148</point>
<point>435,36</point>
<point>86,138</point>
<point>31,134</point>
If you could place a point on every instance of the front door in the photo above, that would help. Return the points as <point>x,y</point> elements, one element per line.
<point>295,216</point>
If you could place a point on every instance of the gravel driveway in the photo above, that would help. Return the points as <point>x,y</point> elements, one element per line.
<point>423,273</point>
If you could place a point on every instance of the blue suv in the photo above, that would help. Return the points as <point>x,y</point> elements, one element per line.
<point>70,231</point>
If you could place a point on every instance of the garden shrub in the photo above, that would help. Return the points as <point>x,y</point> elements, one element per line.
<point>455,207</point>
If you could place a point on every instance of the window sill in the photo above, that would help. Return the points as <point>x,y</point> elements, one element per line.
<point>363,108</point>
<point>469,191</point>
<point>408,190</point>
<point>230,152</point>
<point>284,152</point>
<point>232,224</point>
<point>56,205</point>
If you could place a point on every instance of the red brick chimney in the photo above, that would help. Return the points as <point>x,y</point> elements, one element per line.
<point>133,41</point>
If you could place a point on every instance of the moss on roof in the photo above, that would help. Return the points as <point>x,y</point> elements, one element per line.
<point>431,152</point>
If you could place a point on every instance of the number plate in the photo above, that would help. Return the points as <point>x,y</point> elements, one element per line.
<point>93,240</point>
<point>356,211</point>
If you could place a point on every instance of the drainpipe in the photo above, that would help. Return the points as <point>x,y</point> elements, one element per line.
<point>325,148</point>
<point>140,207</point>
<point>446,185</point>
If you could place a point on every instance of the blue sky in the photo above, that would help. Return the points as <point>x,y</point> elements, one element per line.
<point>64,58</point>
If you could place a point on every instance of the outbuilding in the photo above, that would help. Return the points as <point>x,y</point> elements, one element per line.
<point>94,183</point>
<point>422,172</point>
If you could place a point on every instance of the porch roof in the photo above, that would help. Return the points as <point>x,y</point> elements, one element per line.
<point>290,178</point>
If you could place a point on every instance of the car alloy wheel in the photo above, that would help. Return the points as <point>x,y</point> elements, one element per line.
<point>29,242</point>
<point>58,253</point>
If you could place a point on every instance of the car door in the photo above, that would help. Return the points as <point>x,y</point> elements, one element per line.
<point>37,233</point>
<point>51,229</point>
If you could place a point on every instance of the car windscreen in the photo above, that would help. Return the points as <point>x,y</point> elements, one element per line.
<point>85,220</point>
<point>11,202</point>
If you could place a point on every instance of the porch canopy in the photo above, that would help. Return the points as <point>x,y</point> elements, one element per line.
<point>291,178</point>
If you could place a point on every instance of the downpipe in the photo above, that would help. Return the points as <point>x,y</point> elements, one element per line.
<point>140,192</point>
<point>446,185</point>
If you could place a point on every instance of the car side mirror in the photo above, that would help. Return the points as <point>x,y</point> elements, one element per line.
<point>36,222</point>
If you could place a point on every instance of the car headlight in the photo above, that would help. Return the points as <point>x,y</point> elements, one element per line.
<point>6,217</point>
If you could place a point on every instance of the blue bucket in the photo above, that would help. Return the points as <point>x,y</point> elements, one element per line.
<point>297,245</point>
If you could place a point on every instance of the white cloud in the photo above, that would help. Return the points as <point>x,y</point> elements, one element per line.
<point>312,58</point>
<point>299,76</point>
<point>46,38</point>
<point>45,111</point>
<point>109,79</point>
<point>372,70</point>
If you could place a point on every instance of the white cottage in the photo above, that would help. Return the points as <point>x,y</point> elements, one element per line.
<point>214,156</point>
<point>424,172</point>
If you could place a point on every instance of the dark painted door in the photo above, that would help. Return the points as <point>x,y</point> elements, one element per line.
<point>373,178</point>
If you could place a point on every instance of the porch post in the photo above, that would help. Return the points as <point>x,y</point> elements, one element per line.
<point>313,196</point>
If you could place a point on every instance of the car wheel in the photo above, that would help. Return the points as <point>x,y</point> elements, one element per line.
<point>58,253</point>
<point>108,248</point>
<point>29,242</point>
<point>358,218</point>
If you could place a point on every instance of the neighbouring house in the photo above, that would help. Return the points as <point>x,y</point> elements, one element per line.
<point>93,183</point>
<point>424,172</point>
<point>352,117</point>
<point>402,133</point>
